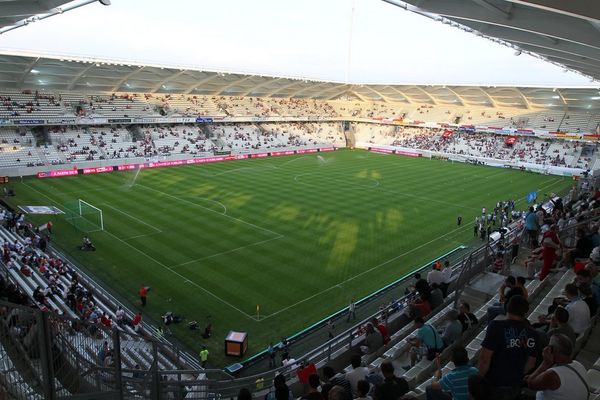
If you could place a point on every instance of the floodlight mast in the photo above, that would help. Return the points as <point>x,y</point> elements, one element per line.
<point>52,12</point>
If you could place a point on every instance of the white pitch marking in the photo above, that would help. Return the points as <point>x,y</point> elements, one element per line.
<point>228,251</point>
<point>132,217</point>
<point>209,209</point>
<point>160,264</point>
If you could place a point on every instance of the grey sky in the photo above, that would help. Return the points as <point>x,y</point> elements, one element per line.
<point>315,39</point>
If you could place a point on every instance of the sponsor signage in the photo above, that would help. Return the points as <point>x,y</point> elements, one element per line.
<point>171,163</point>
<point>407,153</point>
<point>282,153</point>
<point>29,121</point>
<point>381,150</point>
<point>57,173</point>
<point>97,170</point>
<point>204,120</point>
<point>119,120</point>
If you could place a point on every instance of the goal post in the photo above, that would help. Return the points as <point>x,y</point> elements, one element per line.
<point>84,216</point>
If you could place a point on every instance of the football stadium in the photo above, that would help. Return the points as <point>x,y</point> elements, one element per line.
<point>285,200</point>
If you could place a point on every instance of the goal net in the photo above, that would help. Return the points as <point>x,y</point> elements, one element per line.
<point>84,216</point>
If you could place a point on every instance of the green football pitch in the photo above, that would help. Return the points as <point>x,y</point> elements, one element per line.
<point>299,236</point>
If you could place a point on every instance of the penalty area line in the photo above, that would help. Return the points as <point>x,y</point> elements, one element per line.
<point>228,251</point>
<point>186,279</point>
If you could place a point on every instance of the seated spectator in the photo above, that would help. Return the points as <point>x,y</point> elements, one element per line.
<point>521,285</point>
<point>508,351</point>
<point>420,307</point>
<point>508,289</point>
<point>392,387</point>
<point>332,379</point>
<point>382,329</point>
<point>373,340</point>
<point>559,376</point>
<point>453,385</point>
<point>466,317</point>
<point>427,342</point>
<point>589,298</point>
<point>362,390</point>
<point>280,391</point>
<point>579,312</point>
<point>436,297</point>
<point>559,324</point>
<point>453,330</point>
<point>313,388</point>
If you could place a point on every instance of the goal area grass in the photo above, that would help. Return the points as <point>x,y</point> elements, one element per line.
<point>299,236</point>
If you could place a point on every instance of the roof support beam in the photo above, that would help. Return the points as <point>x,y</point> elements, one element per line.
<point>27,70</point>
<point>194,85</point>
<point>78,76</point>
<point>221,91</point>
<point>425,93</point>
<point>400,92</point>
<point>458,96</point>
<point>125,78</point>
<point>383,97</point>
<point>167,79</point>
<point>494,8</point>
<point>266,82</point>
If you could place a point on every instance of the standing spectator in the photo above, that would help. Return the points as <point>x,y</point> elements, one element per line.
<point>508,351</point>
<point>531,225</point>
<point>436,296</point>
<point>120,316</point>
<point>559,376</point>
<point>136,322</point>
<point>204,356</point>
<point>271,352</point>
<point>357,374</point>
<point>453,385</point>
<point>330,330</point>
<point>392,387</point>
<point>550,243</point>
<point>143,295</point>
<point>466,317</point>
<point>351,311</point>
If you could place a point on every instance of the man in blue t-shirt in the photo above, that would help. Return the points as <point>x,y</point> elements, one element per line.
<point>509,351</point>
<point>455,384</point>
<point>426,341</point>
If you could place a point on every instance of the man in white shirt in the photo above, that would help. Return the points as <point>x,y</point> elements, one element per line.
<point>559,377</point>
<point>358,373</point>
<point>435,276</point>
<point>579,312</point>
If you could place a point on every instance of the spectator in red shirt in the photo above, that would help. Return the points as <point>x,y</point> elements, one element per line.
<point>143,295</point>
<point>382,329</point>
<point>137,322</point>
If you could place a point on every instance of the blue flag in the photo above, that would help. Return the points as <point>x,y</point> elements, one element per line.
<point>531,197</point>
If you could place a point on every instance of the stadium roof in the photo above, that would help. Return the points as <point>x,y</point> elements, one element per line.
<point>87,75</point>
<point>18,13</point>
<point>563,32</point>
